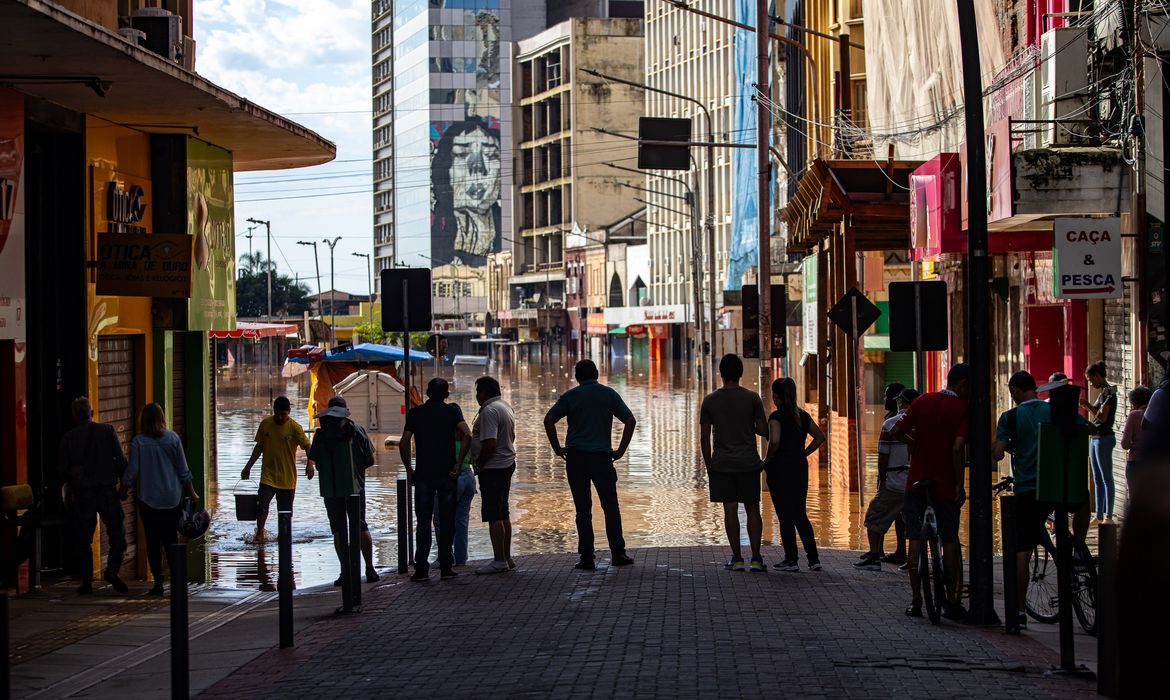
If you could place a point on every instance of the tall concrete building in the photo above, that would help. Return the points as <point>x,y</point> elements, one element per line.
<point>564,182</point>
<point>695,57</point>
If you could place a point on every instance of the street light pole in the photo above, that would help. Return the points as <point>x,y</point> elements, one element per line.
<point>268,262</point>
<point>317,267</point>
<point>332,290</point>
<point>709,222</point>
<point>763,194</point>
<point>370,283</point>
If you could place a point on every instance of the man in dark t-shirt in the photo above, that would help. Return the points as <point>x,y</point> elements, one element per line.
<point>437,428</point>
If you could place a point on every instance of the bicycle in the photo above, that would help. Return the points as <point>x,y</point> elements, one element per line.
<point>1042,599</point>
<point>936,583</point>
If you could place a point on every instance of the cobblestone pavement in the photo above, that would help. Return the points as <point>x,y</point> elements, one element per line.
<point>674,624</point>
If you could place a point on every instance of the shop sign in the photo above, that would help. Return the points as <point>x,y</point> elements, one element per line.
<point>627,315</point>
<point>12,284</point>
<point>210,216</point>
<point>595,324</point>
<point>808,303</point>
<point>636,330</point>
<point>144,265</point>
<point>1087,258</point>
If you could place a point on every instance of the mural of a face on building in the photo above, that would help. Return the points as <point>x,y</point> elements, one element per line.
<point>465,181</point>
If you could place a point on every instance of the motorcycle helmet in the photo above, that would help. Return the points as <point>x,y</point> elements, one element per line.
<point>193,521</point>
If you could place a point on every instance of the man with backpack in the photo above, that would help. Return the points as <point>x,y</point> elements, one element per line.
<point>342,452</point>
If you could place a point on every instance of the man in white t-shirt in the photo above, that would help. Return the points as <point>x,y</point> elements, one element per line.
<point>886,505</point>
<point>493,441</point>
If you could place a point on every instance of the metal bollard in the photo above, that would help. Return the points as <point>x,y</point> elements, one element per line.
<point>1108,675</point>
<point>180,676</point>
<point>1011,598</point>
<point>285,579</point>
<point>354,553</point>
<point>403,533</point>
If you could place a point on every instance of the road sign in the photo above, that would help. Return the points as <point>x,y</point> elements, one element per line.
<point>842,312</point>
<point>1086,259</point>
<point>751,322</point>
<point>406,299</point>
<point>918,316</point>
<point>657,156</point>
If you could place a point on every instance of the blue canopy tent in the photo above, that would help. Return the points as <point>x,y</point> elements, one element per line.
<point>368,352</point>
<point>329,370</point>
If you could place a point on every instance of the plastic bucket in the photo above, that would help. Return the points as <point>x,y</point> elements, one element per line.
<point>247,504</point>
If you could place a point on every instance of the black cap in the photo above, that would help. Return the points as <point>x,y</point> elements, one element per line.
<point>908,395</point>
<point>337,401</point>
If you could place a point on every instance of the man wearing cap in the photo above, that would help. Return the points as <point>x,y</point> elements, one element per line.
<point>342,452</point>
<point>437,428</point>
<point>935,426</point>
<point>886,506</point>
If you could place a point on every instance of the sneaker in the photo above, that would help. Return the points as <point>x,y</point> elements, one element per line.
<point>915,609</point>
<point>621,560</point>
<point>447,574</point>
<point>954,611</point>
<point>814,566</point>
<point>118,584</point>
<point>893,559</point>
<point>758,565</point>
<point>870,562</point>
<point>585,565</point>
<point>372,576</point>
<point>734,564</point>
<point>786,566</point>
<point>511,564</point>
<point>494,567</point>
<point>420,575</point>
<point>864,556</point>
<point>904,567</point>
<point>1023,620</point>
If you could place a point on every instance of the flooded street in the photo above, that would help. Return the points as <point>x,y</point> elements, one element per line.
<point>661,482</point>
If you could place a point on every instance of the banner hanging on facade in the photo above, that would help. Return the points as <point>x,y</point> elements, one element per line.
<point>12,292</point>
<point>210,218</point>
<point>808,271</point>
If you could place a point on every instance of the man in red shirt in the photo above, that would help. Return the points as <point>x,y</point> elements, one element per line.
<point>939,422</point>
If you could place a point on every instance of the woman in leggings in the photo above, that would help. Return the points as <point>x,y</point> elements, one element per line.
<point>786,466</point>
<point>158,464</point>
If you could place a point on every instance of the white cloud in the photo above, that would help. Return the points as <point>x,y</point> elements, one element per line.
<point>297,57</point>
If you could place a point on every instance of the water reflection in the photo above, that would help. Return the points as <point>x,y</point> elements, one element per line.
<point>662,484</point>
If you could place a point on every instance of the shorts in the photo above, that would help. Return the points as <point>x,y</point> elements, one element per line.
<point>734,487</point>
<point>284,498</point>
<point>1031,521</point>
<point>335,509</point>
<point>946,513</point>
<point>883,510</point>
<point>494,485</point>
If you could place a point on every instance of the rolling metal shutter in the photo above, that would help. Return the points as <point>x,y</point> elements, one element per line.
<point>116,406</point>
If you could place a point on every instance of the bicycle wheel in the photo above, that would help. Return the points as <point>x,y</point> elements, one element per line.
<point>1084,589</point>
<point>938,574</point>
<point>933,608</point>
<point>1042,601</point>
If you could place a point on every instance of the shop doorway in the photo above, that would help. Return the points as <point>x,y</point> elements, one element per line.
<point>1044,333</point>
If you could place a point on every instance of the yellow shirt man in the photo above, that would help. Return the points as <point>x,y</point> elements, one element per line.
<point>278,443</point>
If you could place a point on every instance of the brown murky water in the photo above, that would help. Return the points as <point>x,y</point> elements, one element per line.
<point>662,485</point>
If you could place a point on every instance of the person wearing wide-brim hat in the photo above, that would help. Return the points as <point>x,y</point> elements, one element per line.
<point>341,452</point>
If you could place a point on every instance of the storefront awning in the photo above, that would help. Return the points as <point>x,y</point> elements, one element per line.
<point>870,197</point>
<point>244,329</point>
<point>61,57</point>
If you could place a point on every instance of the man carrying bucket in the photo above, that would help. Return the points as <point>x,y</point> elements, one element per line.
<point>277,439</point>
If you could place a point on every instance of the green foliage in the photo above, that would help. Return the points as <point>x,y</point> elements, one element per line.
<point>289,299</point>
<point>373,333</point>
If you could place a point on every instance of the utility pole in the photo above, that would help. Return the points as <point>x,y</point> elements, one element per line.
<point>248,235</point>
<point>268,262</point>
<point>976,287</point>
<point>332,291</point>
<point>317,267</point>
<point>370,283</point>
<point>763,162</point>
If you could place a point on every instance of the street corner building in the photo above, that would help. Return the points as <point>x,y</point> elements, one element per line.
<point>117,224</point>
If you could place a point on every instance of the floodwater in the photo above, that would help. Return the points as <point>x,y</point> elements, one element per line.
<point>662,484</point>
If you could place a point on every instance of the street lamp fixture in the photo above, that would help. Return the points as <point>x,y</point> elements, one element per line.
<point>317,267</point>
<point>332,291</point>
<point>268,261</point>
<point>370,281</point>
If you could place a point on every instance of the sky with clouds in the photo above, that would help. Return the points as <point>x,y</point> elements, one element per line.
<point>309,60</point>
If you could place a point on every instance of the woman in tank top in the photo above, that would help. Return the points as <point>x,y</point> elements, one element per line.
<point>786,467</point>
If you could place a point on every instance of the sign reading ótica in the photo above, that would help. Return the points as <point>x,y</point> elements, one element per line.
<point>1086,258</point>
<point>144,265</point>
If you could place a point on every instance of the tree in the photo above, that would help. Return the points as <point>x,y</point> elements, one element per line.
<point>288,296</point>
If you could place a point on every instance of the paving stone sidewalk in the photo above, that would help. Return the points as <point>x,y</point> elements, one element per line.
<point>673,625</point>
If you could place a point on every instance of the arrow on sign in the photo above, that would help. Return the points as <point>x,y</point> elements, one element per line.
<point>1093,290</point>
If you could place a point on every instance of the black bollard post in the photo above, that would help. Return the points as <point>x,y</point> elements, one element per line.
<point>403,533</point>
<point>353,558</point>
<point>285,579</point>
<point>5,676</point>
<point>180,679</point>
<point>1108,637</point>
<point>1011,597</point>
